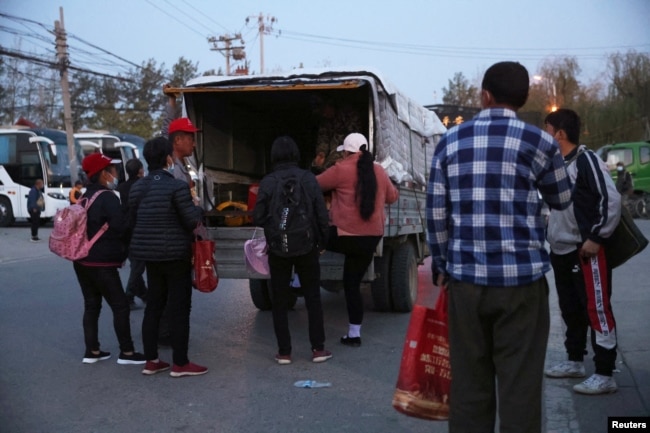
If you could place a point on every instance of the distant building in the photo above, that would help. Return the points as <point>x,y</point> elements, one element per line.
<point>452,115</point>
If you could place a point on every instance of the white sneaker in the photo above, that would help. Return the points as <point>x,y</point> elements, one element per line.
<point>566,369</point>
<point>596,384</point>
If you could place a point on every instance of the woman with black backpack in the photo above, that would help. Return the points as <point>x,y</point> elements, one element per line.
<point>291,209</point>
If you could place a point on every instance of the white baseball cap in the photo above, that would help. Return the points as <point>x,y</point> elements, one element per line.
<point>353,143</point>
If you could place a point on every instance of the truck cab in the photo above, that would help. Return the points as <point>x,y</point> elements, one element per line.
<point>636,158</point>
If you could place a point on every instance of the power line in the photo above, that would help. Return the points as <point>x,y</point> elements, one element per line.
<point>45,62</point>
<point>203,14</point>
<point>174,18</point>
<point>472,49</point>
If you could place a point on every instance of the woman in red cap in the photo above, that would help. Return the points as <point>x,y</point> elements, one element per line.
<point>98,272</point>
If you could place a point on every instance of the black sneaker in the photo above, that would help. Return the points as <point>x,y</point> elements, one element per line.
<point>91,358</point>
<point>36,239</point>
<point>351,341</point>
<point>134,358</point>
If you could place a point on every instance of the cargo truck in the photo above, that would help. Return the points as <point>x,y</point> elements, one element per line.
<point>240,116</point>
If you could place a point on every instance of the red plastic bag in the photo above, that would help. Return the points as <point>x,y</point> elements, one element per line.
<point>204,268</point>
<point>422,389</point>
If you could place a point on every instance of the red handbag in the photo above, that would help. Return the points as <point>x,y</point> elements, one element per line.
<point>422,389</point>
<point>205,277</point>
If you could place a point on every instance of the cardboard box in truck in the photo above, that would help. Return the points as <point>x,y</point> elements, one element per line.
<point>240,116</point>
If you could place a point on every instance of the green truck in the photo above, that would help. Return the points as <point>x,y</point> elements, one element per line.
<point>636,158</point>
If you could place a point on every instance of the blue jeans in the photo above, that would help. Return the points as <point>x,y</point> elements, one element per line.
<point>308,269</point>
<point>99,283</point>
<point>170,285</point>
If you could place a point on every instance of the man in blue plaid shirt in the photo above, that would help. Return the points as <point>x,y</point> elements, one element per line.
<point>486,236</point>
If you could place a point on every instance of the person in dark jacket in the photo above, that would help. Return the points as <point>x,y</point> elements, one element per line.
<point>135,286</point>
<point>163,217</point>
<point>98,272</point>
<point>284,157</point>
<point>35,205</point>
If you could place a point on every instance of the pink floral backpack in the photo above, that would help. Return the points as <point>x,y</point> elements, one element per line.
<point>69,238</point>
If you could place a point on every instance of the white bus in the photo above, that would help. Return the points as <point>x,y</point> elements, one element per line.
<point>111,145</point>
<point>27,154</point>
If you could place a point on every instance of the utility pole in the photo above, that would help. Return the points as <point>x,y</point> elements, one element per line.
<point>62,58</point>
<point>265,27</point>
<point>228,50</point>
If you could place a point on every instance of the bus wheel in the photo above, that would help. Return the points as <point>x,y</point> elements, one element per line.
<point>6,213</point>
<point>404,278</point>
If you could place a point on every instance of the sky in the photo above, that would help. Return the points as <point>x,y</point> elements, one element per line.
<point>418,45</point>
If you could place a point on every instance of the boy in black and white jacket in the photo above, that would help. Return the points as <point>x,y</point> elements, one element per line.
<point>582,276</point>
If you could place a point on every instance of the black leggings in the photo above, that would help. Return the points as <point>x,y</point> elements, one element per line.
<point>359,251</point>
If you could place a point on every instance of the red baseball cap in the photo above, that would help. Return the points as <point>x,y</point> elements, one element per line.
<point>182,124</point>
<point>96,162</point>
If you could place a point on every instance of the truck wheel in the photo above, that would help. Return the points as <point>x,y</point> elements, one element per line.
<point>641,207</point>
<point>332,286</point>
<point>404,278</point>
<point>6,213</point>
<point>260,294</point>
<point>380,286</point>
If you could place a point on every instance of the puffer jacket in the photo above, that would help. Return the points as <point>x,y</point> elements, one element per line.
<point>111,247</point>
<point>162,216</point>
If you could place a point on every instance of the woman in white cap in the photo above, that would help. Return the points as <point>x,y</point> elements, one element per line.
<point>360,189</point>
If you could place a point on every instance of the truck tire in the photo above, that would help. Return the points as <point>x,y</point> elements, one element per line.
<point>260,294</point>
<point>404,278</point>
<point>641,207</point>
<point>6,213</point>
<point>380,286</point>
<point>263,297</point>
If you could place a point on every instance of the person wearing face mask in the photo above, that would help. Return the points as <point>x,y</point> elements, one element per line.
<point>163,217</point>
<point>624,183</point>
<point>98,273</point>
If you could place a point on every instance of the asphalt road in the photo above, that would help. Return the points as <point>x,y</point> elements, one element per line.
<point>44,387</point>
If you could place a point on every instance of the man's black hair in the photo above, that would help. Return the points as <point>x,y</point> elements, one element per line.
<point>284,149</point>
<point>133,167</point>
<point>156,152</point>
<point>566,120</point>
<point>508,82</point>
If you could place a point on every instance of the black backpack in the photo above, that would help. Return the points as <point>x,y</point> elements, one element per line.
<point>290,230</point>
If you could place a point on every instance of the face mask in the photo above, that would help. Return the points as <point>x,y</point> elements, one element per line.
<point>112,184</point>
<point>171,168</point>
<point>619,168</point>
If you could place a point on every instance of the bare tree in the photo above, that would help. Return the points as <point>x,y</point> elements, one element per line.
<point>630,78</point>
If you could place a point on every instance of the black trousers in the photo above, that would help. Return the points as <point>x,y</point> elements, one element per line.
<point>99,283</point>
<point>359,251</point>
<point>35,222</point>
<point>585,306</point>
<point>308,269</point>
<point>170,287</point>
